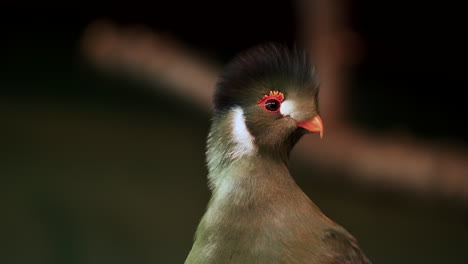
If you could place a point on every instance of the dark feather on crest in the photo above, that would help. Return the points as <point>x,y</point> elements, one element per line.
<point>263,68</point>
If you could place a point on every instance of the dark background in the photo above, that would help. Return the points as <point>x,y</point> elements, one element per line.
<point>98,168</point>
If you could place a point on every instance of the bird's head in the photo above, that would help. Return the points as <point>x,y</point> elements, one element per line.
<point>269,95</point>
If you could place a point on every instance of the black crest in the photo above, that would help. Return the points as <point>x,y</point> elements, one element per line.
<point>261,69</point>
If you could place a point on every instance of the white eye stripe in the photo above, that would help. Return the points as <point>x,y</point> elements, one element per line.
<point>243,140</point>
<point>287,108</point>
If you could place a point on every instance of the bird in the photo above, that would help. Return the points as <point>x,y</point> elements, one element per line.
<point>265,100</point>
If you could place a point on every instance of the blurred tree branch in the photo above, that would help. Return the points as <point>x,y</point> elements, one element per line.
<point>403,162</point>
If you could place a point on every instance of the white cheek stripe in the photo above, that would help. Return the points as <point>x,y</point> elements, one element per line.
<point>287,108</point>
<point>243,140</point>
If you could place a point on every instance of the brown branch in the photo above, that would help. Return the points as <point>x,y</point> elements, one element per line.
<point>400,161</point>
<point>138,51</point>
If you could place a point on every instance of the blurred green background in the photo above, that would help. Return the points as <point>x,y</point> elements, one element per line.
<point>98,167</point>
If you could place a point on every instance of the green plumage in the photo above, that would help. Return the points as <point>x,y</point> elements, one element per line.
<point>257,213</point>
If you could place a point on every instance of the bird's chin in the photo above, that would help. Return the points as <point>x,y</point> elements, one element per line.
<point>304,131</point>
<point>293,125</point>
<point>291,121</point>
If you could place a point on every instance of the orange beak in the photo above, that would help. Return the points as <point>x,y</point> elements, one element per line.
<point>313,125</point>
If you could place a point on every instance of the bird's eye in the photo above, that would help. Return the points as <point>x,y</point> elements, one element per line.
<point>272,105</point>
<point>272,102</point>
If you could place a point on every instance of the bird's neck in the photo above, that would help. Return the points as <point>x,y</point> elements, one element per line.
<point>251,177</point>
<point>232,153</point>
<point>242,174</point>
<point>253,197</point>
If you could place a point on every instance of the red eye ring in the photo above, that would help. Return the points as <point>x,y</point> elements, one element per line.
<point>272,102</point>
